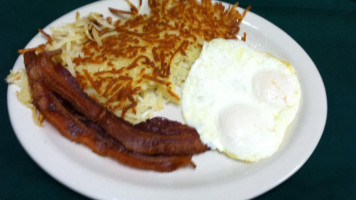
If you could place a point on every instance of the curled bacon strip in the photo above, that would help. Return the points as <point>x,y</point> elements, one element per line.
<point>58,79</point>
<point>78,128</point>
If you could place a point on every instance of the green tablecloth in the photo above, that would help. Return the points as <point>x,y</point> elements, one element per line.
<point>325,29</point>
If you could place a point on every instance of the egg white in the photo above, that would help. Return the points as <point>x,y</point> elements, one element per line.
<point>241,101</point>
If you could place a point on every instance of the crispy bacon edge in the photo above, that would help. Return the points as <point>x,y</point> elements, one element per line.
<point>76,127</point>
<point>184,141</point>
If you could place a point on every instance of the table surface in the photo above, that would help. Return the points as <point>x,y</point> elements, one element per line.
<point>325,29</point>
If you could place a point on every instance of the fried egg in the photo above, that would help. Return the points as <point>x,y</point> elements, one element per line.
<point>240,100</point>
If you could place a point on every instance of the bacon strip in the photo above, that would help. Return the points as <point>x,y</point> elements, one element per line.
<point>59,80</point>
<point>78,128</point>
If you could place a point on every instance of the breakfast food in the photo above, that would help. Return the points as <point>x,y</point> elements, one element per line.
<point>96,70</point>
<point>59,80</point>
<point>98,81</point>
<point>150,145</point>
<point>241,101</point>
<point>133,65</point>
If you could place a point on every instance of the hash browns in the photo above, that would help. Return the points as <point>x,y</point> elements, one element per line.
<point>134,65</point>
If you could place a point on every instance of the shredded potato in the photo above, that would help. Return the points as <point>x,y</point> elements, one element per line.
<point>19,78</point>
<point>134,65</point>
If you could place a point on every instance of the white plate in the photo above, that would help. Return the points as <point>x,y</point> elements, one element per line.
<point>216,176</point>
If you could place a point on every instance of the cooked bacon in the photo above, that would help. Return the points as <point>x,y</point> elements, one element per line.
<point>161,125</point>
<point>78,128</point>
<point>186,141</point>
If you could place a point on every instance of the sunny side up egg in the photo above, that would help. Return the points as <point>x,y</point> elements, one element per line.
<point>241,101</point>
